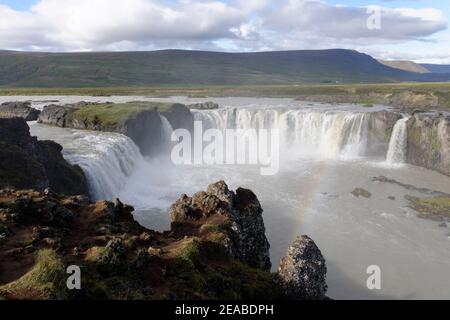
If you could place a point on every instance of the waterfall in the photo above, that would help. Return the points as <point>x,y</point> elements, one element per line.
<point>322,134</point>
<point>167,130</point>
<point>398,144</point>
<point>107,159</point>
<point>107,163</point>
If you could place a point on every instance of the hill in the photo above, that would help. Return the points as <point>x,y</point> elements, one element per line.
<point>409,66</point>
<point>189,68</point>
<point>437,68</point>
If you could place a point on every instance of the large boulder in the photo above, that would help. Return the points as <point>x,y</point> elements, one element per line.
<point>26,163</point>
<point>19,110</point>
<point>302,271</point>
<point>56,115</point>
<point>242,221</point>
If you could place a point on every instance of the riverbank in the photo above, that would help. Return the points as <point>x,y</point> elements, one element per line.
<point>407,95</point>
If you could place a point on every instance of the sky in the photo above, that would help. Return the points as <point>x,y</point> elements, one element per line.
<point>416,30</point>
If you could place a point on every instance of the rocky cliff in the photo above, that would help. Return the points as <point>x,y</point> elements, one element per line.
<point>242,222</point>
<point>216,249</point>
<point>19,110</point>
<point>26,163</point>
<point>381,125</point>
<point>140,121</point>
<point>429,141</point>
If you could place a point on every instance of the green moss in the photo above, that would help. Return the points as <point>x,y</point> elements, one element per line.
<point>112,114</point>
<point>46,280</point>
<point>235,280</point>
<point>414,135</point>
<point>437,206</point>
<point>108,262</point>
<point>360,192</point>
<point>191,252</point>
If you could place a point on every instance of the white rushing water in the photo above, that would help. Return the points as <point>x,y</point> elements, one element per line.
<point>107,159</point>
<point>398,144</point>
<point>326,158</point>
<point>327,134</point>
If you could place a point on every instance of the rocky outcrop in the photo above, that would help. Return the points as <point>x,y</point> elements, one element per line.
<point>204,106</point>
<point>56,115</point>
<point>241,216</point>
<point>302,271</point>
<point>145,128</point>
<point>26,163</point>
<point>381,125</point>
<point>179,116</point>
<point>207,254</point>
<point>19,110</point>
<point>429,141</point>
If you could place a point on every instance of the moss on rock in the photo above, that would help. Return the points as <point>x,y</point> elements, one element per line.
<point>45,280</point>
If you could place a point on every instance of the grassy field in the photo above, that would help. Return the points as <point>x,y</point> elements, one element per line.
<point>354,93</point>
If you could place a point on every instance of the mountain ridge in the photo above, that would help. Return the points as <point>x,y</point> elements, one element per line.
<point>174,67</point>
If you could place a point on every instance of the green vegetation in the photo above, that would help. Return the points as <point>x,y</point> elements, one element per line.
<point>111,114</point>
<point>203,268</point>
<point>431,207</point>
<point>187,68</point>
<point>367,94</point>
<point>46,280</point>
<point>360,192</point>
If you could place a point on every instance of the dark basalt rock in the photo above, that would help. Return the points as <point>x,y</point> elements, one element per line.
<point>381,125</point>
<point>303,271</point>
<point>19,110</point>
<point>245,231</point>
<point>429,141</point>
<point>179,116</point>
<point>26,163</point>
<point>204,106</point>
<point>56,115</point>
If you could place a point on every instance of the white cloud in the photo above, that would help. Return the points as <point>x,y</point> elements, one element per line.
<point>316,18</point>
<point>73,24</point>
<point>237,25</point>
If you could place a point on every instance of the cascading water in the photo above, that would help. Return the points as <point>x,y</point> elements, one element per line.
<point>398,144</point>
<point>167,131</point>
<point>107,159</point>
<point>328,134</point>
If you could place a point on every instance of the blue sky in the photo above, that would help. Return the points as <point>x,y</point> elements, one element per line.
<point>410,29</point>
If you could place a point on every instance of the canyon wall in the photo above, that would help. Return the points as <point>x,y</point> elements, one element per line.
<point>429,141</point>
<point>27,163</point>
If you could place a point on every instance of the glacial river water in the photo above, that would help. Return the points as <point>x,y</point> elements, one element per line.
<point>323,160</point>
